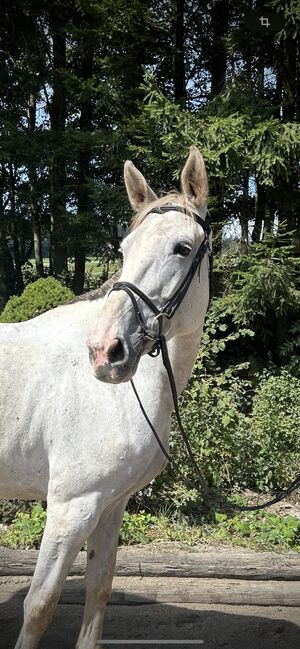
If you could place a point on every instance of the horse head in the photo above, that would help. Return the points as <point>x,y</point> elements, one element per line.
<point>164,286</point>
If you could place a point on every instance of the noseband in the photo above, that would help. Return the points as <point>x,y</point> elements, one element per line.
<point>171,306</point>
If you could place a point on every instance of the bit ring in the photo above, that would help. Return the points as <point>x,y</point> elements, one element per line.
<point>159,315</point>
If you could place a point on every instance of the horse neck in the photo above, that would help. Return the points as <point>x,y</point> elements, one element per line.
<point>183,353</point>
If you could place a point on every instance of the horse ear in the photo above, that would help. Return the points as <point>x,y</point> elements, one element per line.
<point>139,192</point>
<point>194,178</point>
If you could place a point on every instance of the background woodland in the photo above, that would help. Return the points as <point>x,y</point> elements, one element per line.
<point>86,84</point>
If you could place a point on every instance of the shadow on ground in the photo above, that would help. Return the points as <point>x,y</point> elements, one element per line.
<point>231,627</point>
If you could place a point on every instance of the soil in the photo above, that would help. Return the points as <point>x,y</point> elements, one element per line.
<point>218,626</point>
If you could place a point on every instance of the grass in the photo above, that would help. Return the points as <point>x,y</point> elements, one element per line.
<point>93,266</point>
<point>256,530</point>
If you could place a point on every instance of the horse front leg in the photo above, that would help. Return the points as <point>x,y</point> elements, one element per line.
<point>101,559</point>
<point>68,525</point>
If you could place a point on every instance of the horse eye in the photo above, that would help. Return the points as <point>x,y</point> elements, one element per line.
<point>182,249</point>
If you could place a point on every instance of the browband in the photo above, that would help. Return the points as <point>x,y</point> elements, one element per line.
<point>205,224</point>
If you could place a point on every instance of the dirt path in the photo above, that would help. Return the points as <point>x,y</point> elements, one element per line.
<point>231,627</point>
<point>133,615</point>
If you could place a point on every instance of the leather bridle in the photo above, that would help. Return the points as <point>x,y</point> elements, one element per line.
<point>160,345</point>
<point>171,306</point>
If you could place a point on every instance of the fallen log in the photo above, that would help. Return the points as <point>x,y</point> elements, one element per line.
<point>238,564</point>
<point>174,590</point>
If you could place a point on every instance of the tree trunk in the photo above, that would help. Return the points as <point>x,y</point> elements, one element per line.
<point>58,216</point>
<point>220,18</point>
<point>19,284</point>
<point>33,207</point>
<point>4,274</point>
<point>260,204</point>
<point>4,271</point>
<point>83,191</point>
<point>269,211</point>
<point>290,100</point>
<point>178,61</point>
<point>244,215</point>
<point>290,113</point>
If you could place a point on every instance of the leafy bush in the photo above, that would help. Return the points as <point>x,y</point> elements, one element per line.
<point>26,530</point>
<point>237,449</point>
<point>290,350</point>
<point>245,434</point>
<point>259,528</point>
<point>214,414</point>
<point>37,297</point>
<point>275,431</point>
<point>261,291</point>
<point>135,527</point>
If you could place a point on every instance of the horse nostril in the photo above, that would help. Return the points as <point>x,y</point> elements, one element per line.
<point>116,351</point>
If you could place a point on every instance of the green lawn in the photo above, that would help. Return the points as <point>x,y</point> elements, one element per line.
<point>93,267</point>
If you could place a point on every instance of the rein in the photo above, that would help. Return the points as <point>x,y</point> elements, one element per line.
<point>160,345</point>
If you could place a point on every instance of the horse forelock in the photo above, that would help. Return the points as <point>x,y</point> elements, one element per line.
<point>173,197</point>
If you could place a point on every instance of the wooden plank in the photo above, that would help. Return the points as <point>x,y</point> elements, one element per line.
<point>150,590</point>
<point>237,564</point>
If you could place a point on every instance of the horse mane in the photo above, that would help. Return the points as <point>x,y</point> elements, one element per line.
<point>97,293</point>
<point>172,197</point>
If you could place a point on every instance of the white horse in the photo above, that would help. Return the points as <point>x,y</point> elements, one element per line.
<point>82,444</point>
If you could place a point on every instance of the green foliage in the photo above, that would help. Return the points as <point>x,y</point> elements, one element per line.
<point>261,529</point>
<point>260,294</point>
<point>219,334</point>
<point>275,431</point>
<point>231,143</point>
<point>236,444</point>
<point>262,284</point>
<point>212,412</point>
<point>243,426</point>
<point>26,530</point>
<point>36,298</point>
<point>290,349</point>
<point>135,527</point>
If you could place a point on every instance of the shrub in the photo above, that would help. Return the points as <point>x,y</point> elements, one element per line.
<point>135,527</point>
<point>36,298</point>
<point>216,424</point>
<point>275,431</point>
<point>26,530</point>
<point>260,528</point>
<point>261,291</point>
